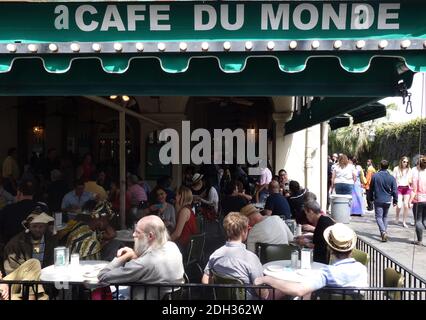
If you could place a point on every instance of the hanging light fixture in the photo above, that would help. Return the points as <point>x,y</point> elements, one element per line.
<point>38,130</point>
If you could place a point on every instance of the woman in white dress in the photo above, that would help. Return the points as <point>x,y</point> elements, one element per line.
<point>358,205</point>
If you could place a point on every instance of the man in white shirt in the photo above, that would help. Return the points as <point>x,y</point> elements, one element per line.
<point>344,272</point>
<point>265,229</point>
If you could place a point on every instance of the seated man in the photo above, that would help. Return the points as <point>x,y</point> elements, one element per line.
<point>28,252</point>
<point>233,259</point>
<point>74,200</point>
<point>276,203</point>
<point>316,241</point>
<point>154,260</point>
<point>265,229</point>
<point>344,272</point>
<point>35,242</point>
<point>232,201</point>
<point>94,188</point>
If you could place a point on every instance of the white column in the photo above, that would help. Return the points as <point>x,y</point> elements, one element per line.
<point>279,146</point>
<point>145,129</point>
<point>324,165</point>
<point>122,146</point>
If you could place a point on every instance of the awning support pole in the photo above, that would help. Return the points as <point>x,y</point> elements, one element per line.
<point>116,107</point>
<point>122,146</point>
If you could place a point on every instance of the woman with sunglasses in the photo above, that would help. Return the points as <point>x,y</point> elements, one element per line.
<point>403,176</point>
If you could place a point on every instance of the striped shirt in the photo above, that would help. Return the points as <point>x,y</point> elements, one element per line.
<point>83,240</point>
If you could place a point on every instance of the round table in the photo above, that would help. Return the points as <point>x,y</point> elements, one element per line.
<point>281,269</point>
<point>86,272</point>
<point>124,235</point>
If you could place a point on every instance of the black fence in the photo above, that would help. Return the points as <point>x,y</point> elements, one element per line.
<point>379,262</point>
<point>409,286</point>
<point>196,291</point>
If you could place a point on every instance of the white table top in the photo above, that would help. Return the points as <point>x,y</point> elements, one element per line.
<point>281,269</point>
<point>86,271</point>
<point>124,235</point>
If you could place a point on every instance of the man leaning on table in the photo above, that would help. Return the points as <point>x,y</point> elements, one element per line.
<point>316,240</point>
<point>154,260</point>
<point>265,229</point>
<point>344,272</point>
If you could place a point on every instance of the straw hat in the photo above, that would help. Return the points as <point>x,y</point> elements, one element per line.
<point>340,237</point>
<point>248,210</point>
<point>197,182</point>
<point>40,218</point>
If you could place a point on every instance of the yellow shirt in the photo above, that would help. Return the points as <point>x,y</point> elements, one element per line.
<point>10,168</point>
<point>93,187</point>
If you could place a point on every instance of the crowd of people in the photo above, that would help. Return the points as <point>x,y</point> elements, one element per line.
<point>403,187</point>
<point>164,220</point>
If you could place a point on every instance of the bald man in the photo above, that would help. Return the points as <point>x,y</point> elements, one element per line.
<point>276,203</point>
<point>154,260</point>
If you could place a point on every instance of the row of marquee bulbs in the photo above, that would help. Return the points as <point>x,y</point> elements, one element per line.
<point>118,47</point>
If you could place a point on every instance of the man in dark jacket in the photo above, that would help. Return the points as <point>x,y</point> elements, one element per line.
<point>13,214</point>
<point>383,191</point>
<point>34,243</point>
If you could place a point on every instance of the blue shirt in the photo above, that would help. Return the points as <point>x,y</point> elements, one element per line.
<point>233,259</point>
<point>278,204</point>
<point>343,273</point>
<point>72,200</point>
<point>383,187</point>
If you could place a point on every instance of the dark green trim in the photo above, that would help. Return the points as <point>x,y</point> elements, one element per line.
<point>261,77</point>
<point>339,122</point>
<point>325,109</point>
<point>370,112</point>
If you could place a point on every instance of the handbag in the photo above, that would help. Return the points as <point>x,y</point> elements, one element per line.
<point>209,213</point>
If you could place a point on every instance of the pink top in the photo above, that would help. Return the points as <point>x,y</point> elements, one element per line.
<point>137,194</point>
<point>419,185</point>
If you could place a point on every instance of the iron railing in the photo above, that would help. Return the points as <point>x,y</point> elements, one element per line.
<point>378,262</point>
<point>196,291</point>
<point>414,286</point>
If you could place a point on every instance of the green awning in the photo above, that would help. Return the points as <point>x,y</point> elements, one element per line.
<point>339,122</point>
<point>260,77</point>
<point>321,110</point>
<point>310,48</point>
<point>369,112</point>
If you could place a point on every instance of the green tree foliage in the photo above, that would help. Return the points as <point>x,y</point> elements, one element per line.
<point>352,140</point>
<point>396,140</point>
<point>392,141</point>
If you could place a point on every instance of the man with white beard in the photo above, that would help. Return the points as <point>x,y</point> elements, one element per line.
<point>154,260</point>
